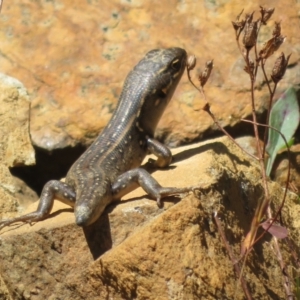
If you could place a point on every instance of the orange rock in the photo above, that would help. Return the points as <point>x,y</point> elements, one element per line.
<point>73,57</point>
<point>15,143</point>
<point>136,250</point>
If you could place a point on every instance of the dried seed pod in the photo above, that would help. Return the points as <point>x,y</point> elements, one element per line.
<point>277,29</point>
<point>239,15</point>
<point>279,68</point>
<point>238,25</point>
<point>203,77</point>
<point>249,68</point>
<point>191,62</point>
<point>266,14</point>
<point>271,46</point>
<point>249,17</point>
<point>250,32</point>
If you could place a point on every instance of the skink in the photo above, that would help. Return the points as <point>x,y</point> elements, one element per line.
<point>109,168</point>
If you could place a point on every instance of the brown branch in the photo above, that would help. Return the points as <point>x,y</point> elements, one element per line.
<point>287,284</point>
<point>288,173</point>
<point>206,108</point>
<point>233,259</point>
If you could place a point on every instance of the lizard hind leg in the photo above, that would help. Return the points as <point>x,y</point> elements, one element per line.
<point>53,189</point>
<point>140,177</point>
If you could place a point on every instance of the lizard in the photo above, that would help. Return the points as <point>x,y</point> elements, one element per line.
<point>110,167</point>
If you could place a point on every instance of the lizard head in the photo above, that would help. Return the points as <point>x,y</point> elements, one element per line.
<point>92,200</point>
<point>150,86</point>
<point>159,72</point>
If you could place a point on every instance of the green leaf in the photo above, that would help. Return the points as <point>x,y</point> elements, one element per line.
<point>290,144</point>
<point>284,116</point>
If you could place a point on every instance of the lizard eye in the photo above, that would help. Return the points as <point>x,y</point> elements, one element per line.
<point>175,64</point>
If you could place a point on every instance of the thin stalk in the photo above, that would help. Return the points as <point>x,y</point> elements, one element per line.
<point>272,92</point>
<point>206,108</point>
<point>265,75</point>
<point>293,247</point>
<point>191,81</point>
<point>287,179</point>
<point>287,284</point>
<point>237,268</point>
<point>262,207</point>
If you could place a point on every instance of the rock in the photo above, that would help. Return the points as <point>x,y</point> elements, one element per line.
<point>15,144</point>
<point>138,251</point>
<point>280,169</point>
<point>83,50</point>
<point>4,294</point>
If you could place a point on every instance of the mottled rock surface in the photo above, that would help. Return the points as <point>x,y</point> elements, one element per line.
<point>15,143</point>
<point>281,166</point>
<point>73,57</point>
<point>137,251</point>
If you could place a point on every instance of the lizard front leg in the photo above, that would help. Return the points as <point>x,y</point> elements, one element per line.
<point>162,152</point>
<point>140,177</point>
<point>53,189</point>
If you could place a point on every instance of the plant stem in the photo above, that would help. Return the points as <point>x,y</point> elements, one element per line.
<point>287,284</point>
<point>272,92</point>
<point>233,259</point>
<point>261,208</point>
<point>207,109</point>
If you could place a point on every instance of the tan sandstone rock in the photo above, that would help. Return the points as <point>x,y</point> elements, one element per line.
<point>73,57</point>
<point>281,168</point>
<point>15,144</point>
<point>138,251</point>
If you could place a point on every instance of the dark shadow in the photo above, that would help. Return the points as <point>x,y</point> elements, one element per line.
<point>173,199</point>
<point>58,212</point>
<point>271,294</point>
<point>98,236</point>
<point>112,206</point>
<point>54,165</point>
<point>12,227</point>
<point>52,215</point>
<point>192,152</point>
<point>283,156</point>
<point>217,147</point>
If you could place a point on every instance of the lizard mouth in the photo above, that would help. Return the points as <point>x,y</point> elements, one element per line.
<point>82,216</point>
